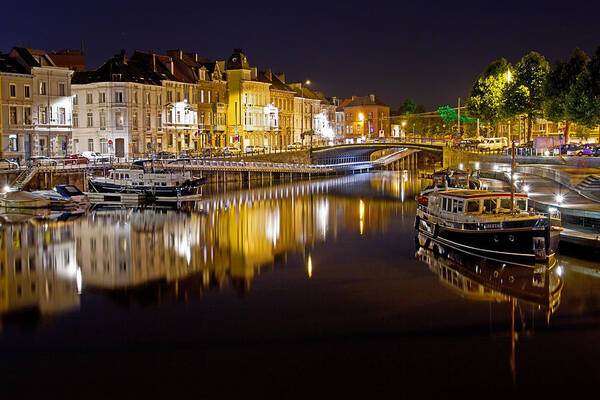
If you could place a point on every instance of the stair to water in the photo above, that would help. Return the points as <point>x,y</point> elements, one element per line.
<point>24,177</point>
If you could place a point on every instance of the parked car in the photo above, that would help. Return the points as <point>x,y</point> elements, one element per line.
<point>7,164</point>
<point>42,161</point>
<point>231,151</point>
<point>294,146</point>
<point>165,155</point>
<point>493,144</point>
<point>94,157</point>
<point>75,159</point>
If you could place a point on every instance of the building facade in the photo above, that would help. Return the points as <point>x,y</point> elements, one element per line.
<point>366,117</point>
<point>36,105</point>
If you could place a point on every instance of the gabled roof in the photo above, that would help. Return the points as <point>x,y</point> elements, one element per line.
<point>343,104</point>
<point>369,100</point>
<point>140,69</point>
<point>303,91</point>
<point>9,64</point>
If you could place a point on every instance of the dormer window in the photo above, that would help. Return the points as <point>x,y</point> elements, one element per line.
<point>117,77</point>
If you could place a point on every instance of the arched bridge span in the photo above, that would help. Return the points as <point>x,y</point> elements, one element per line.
<point>344,153</point>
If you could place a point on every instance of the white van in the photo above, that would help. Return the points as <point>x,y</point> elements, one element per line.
<point>497,143</point>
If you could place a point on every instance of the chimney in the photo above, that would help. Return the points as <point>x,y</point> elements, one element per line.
<point>180,54</point>
<point>353,97</point>
<point>280,76</point>
<point>123,56</point>
<point>372,96</point>
<point>196,57</point>
<point>268,74</point>
<point>170,63</point>
<point>153,61</point>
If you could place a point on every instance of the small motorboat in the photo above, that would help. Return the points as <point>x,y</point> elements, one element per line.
<point>21,199</point>
<point>64,197</point>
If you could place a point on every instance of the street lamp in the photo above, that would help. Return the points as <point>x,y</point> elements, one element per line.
<point>403,125</point>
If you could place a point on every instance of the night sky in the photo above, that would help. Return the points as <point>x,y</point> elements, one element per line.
<point>428,51</point>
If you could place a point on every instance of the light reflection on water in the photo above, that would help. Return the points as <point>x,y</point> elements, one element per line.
<point>309,259</point>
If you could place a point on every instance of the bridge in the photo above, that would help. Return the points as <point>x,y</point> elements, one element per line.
<point>345,153</point>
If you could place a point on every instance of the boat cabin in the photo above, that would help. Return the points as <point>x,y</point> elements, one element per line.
<point>134,177</point>
<point>475,202</point>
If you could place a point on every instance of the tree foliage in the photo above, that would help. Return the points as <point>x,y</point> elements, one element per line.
<point>449,115</point>
<point>487,94</point>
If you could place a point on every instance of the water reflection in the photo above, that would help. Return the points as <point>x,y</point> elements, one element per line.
<point>524,290</point>
<point>156,255</point>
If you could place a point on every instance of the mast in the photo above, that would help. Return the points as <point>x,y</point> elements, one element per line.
<point>512,180</point>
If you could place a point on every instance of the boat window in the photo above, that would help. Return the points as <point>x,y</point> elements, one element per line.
<point>505,203</point>
<point>164,183</point>
<point>489,205</point>
<point>473,206</point>
<point>522,205</point>
<point>126,176</point>
<point>457,206</point>
<point>444,201</point>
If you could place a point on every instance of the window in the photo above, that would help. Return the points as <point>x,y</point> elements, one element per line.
<point>75,120</point>
<point>43,115</point>
<point>472,206</point>
<point>27,91</point>
<point>178,119</point>
<point>91,148</point>
<point>88,98</point>
<point>13,115</point>
<point>119,120</point>
<point>159,100</point>
<point>169,116</point>
<point>202,96</point>
<point>209,96</point>
<point>169,96</point>
<point>12,90</point>
<point>522,205</point>
<point>75,100</point>
<point>62,116</point>
<point>135,120</point>
<point>102,120</point>
<point>489,205</point>
<point>13,143</point>
<point>148,98</point>
<point>118,97</point>
<point>158,122</point>
<point>505,203</point>
<point>61,89</point>
<point>147,120</point>
<point>42,88</point>
<point>27,115</point>
<point>178,96</point>
<point>90,120</point>
<point>101,97</point>
<point>457,206</point>
<point>135,97</point>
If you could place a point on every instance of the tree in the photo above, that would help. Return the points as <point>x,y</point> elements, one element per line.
<point>524,94</point>
<point>487,94</point>
<point>583,101</point>
<point>559,84</point>
<point>408,107</point>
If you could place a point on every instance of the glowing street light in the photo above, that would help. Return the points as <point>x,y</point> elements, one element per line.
<point>526,188</point>
<point>560,198</point>
<point>309,266</point>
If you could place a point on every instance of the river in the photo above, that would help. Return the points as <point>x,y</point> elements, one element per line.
<point>292,290</point>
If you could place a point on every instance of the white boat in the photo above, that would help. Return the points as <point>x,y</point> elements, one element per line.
<point>64,197</point>
<point>21,199</point>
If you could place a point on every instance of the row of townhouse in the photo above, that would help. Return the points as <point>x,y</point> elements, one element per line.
<point>148,103</point>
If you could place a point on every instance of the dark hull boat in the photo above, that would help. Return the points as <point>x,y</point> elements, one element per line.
<point>187,188</point>
<point>147,180</point>
<point>475,221</point>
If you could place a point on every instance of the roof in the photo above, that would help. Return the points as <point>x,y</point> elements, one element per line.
<point>33,57</point>
<point>370,100</point>
<point>343,104</point>
<point>276,83</point>
<point>140,69</point>
<point>237,60</point>
<point>9,64</point>
<point>474,193</point>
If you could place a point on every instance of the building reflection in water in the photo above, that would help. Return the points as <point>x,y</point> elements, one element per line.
<point>157,255</point>
<point>525,290</point>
